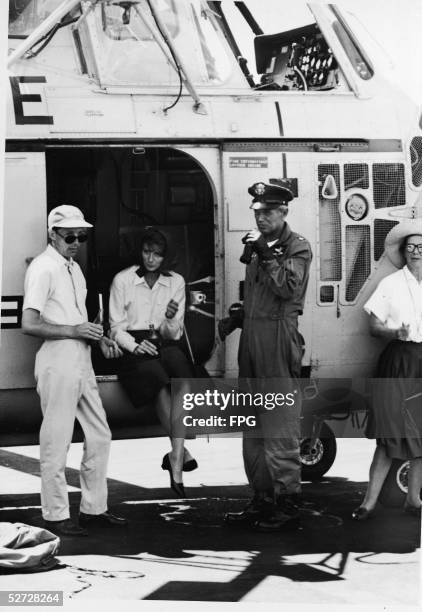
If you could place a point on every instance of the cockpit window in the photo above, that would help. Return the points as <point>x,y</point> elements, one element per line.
<point>26,15</point>
<point>354,52</point>
<point>130,44</point>
<point>215,59</point>
<point>292,55</point>
<point>299,59</point>
<point>125,21</point>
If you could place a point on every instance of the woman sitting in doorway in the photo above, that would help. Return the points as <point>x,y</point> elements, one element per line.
<point>148,301</point>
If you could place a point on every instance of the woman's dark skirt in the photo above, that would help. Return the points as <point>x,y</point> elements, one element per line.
<point>143,376</point>
<point>398,376</point>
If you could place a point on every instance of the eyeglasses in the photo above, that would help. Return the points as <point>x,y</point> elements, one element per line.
<point>411,248</point>
<point>70,238</point>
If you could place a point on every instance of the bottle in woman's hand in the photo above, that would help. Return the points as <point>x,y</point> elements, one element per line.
<point>154,337</point>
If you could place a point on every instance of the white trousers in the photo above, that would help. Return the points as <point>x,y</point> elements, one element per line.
<point>67,388</point>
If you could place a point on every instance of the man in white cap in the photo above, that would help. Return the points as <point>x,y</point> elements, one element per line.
<point>54,310</point>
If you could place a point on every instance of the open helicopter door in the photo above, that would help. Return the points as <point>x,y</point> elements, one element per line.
<point>121,189</point>
<point>124,188</point>
<point>208,160</point>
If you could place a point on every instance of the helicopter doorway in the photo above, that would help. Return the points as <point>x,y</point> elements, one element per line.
<point>122,190</point>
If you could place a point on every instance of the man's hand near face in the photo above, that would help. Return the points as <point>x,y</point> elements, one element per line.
<point>259,244</point>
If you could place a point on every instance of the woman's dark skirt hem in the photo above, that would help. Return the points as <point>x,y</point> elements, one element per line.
<point>398,376</point>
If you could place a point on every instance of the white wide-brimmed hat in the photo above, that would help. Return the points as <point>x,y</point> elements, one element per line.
<point>396,236</point>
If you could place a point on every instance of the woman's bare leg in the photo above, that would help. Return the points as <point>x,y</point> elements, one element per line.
<point>414,482</point>
<point>378,471</point>
<point>163,407</point>
<point>167,419</point>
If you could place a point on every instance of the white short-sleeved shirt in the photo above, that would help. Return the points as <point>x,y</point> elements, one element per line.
<point>49,289</point>
<point>398,300</point>
<point>134,306</point>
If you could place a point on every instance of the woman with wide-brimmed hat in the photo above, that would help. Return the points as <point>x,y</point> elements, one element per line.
<point>395,310</point>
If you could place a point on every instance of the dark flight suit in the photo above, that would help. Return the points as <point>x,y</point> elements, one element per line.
<point>271,347</point>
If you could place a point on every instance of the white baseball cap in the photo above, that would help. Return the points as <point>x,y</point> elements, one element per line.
<point>66,216</point>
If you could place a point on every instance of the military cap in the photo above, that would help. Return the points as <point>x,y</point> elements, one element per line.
<point>270,195</point>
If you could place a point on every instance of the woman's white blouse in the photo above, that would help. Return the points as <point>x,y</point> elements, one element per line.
<point>134,306</point>
<point>398,300</point>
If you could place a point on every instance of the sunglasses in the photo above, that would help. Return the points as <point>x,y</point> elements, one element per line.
<point>411,248</point>
<point>70,238</point>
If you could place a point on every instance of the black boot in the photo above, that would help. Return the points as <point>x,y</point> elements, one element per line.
<point>285,515</point>
<point>258,508</point>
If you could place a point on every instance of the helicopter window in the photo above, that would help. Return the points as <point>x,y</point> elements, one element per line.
<point>358,259</point>
<point>122,20</point>
<point>123,44</point>
<point>389,185</point>
<point>26,15</point>
<point>416,160</point>
<point>214,56</point>
<point>359,61</point>
<point>296,60</point>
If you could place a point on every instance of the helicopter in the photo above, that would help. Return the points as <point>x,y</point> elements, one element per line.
<point>146,112</point>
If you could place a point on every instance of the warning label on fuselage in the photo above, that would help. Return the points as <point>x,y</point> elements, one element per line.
<point>248,162</point>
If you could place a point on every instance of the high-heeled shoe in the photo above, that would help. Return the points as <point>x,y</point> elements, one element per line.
<point>412,510</point>
<point>362,514</point>
<point>177,487</point>
<point>188,466</point>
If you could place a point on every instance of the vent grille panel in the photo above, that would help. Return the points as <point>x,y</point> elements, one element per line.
<point>358,259</point>
<point>389,185</point>
<point>329,227</point>
<point>416,160</point>
<point>381,229</point>
<point>356,176</point>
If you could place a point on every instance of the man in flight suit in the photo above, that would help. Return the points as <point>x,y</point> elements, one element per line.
<point>270,352</point>
<point>54,310</point>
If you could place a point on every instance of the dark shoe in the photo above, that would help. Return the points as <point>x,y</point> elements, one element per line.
<point>106,519</point>
<point>66,528</point>
<point>362,514</point>
<point>289,504</point>
<point>188,466</point>
<point>278,521</point>
<point>255,509</point>
<point>284,515</point>
<point>412,510</point>
<point>177,487</point>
